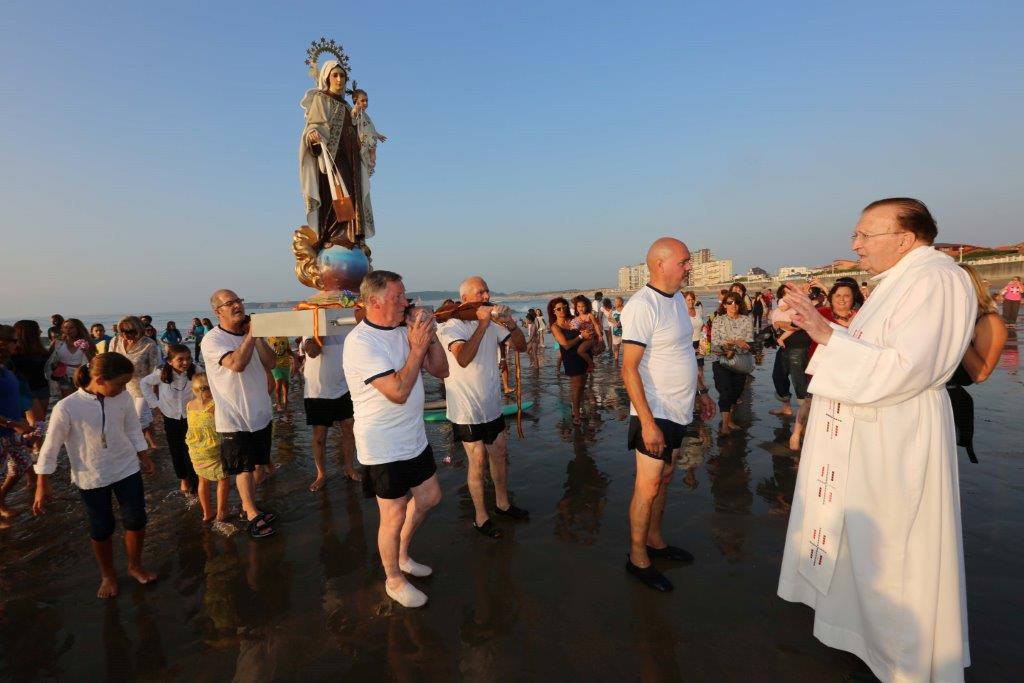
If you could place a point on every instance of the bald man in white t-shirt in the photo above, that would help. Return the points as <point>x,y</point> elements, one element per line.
<point>659,369</point>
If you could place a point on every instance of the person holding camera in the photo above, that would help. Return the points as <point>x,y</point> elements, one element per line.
<point>732,333</point>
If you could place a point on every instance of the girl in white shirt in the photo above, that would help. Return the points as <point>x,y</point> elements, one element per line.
<point>101,431</point>
<point>167,390</point>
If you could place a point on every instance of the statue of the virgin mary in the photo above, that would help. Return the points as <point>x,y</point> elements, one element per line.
<point>335,256</point>
<point>330,136</point>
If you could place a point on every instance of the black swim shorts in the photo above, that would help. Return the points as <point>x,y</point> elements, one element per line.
<point>486,432</point>
<point>672,431</point>
<point>394,479</point>
<point>242,451</point>
<point>323,412</point>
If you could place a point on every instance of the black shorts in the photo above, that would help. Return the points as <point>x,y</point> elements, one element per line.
<point>672,431</point>
<point>131,498</point>
<point>394,479</point>
<point>486,432</point>
<point>323,412</point>
<point>242,451</point>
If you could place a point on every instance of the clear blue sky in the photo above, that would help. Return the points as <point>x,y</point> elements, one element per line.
<point>148,150</point>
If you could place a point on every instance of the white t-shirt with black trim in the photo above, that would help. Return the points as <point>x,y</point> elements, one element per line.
<point>323,376</point>
<point>473,393</point>
<point>384,431</point>
<point>242,399</point>
<point>660,322</point>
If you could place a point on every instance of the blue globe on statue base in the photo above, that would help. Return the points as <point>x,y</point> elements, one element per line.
<point>342,268</point>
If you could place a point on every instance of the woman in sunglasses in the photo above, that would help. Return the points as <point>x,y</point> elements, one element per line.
<point>144,354</point>
<point>569,339</point>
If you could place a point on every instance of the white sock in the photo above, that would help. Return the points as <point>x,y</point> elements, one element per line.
<point>414,568</point>
<point>407,596</point>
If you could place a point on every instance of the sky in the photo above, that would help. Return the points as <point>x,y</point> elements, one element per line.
<point>148,152</point>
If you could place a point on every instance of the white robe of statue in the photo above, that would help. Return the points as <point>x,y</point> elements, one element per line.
<point>874,544</point>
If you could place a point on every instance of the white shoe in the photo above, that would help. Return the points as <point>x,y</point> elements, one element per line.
<point>414,568</point>
<point>407,596</point>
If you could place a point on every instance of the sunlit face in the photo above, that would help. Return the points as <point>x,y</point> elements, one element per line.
<point>389,306</point>
<point>842,300</point>
<point>676,266</point>
<point>111,387</point>
<point>691,300</point>
<point>581,308</point>
<point>477,290</point>
<point>362,101</point>
<point>180,362</point>
<point>878,239</point>
<point>336,80</point>
<point>97,331</point>
<point>561,310</point>
<point>230,308</point>
<point>69,330</point>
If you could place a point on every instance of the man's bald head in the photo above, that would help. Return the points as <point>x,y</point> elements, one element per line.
<point>474,288</point>
<point>220,296</point>
<point>668,260</point>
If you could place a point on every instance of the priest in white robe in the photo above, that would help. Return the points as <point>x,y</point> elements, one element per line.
<point>874,544</point>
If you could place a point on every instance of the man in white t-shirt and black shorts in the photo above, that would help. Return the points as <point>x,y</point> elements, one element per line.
<point>474,398</point>
<point>327,401</point>
<point>659,369</point>
<point>238,382</point>
<point>382,361</point>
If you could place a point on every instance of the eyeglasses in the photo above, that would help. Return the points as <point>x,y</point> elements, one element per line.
<point>731,303</point>
<point>230,303</point>
<point>561,308</point>
<point>862,236</point>
<point>130,333</point>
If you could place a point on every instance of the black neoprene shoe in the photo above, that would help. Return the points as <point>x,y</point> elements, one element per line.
<point>670,553</point>
<point>649,576</point>
<point>515,513</point>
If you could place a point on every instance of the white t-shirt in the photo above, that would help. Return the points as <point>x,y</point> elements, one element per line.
<point>606,318</point>
<point>243,403</point>
<point>660,322</point>
<point>598,313</point>
<point>323,375</point>
<point>473,392</point>
<point>384,431</point>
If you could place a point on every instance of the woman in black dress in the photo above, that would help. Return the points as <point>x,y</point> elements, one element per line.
<point>568,339</point>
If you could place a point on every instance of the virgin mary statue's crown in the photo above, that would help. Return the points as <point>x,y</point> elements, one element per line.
<point>319,47</point>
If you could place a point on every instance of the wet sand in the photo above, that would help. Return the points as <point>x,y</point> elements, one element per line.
<point>550,599</point>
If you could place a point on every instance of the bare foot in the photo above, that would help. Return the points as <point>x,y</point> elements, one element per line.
<point>353,475</point>
<point>207,520</point>
<point>108,588</point>
<point>7,513</point>
<point>317,484</point>
<point>4,524</point>
<point>781,412</point>
<point>142,575</point>
<point>794,442</point>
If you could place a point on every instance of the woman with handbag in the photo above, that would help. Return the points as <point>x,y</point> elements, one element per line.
<point>732,333</point>
<point>132,342</point>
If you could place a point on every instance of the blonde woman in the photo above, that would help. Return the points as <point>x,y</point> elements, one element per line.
<point>132,342</point>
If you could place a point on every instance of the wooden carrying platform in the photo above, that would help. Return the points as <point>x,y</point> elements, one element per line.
<point>330,323</point>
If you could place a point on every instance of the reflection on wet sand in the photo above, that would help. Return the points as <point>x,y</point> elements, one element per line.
<point>548,600</point>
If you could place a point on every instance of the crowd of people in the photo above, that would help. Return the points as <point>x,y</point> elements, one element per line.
<point>877,359</point>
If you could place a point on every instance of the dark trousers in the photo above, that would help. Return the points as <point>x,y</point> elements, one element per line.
<point>1010,311</point>
<point>796,364</point>
<point>729,386</point>
<point>175,431</point>
<point>131,498</point>
<point>780,375</point>
<point>758,321</point>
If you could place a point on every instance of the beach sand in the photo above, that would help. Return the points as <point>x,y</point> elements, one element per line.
<point>549,600</point>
